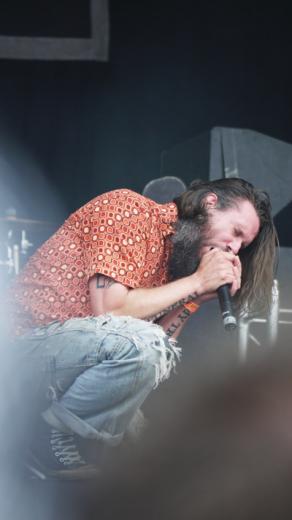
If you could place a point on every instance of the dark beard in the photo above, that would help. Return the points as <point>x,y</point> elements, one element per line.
<point>186,244</point>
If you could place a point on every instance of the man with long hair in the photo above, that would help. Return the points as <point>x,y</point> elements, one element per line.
<point>97,307</point>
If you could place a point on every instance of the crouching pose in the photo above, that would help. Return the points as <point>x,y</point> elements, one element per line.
<point>97,309</point>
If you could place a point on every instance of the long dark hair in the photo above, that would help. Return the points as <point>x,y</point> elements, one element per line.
<point>259,258</point>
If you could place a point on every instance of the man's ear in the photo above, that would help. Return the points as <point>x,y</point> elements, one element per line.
<point>211,200</point>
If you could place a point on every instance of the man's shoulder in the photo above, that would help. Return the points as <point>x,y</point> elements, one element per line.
<point>123,194</point>
<point>123,197</point>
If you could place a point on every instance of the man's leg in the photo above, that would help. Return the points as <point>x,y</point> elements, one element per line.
<point>101,370</point>
<point>122,360</point>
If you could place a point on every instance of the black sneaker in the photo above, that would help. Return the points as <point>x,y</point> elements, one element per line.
<point>56,454</point>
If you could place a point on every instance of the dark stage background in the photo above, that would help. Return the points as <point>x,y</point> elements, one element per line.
<point>175,70</point>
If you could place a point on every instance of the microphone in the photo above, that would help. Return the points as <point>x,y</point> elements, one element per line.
<point>229,320</point>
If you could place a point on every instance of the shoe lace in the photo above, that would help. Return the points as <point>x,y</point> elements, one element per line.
<point>65,449</point>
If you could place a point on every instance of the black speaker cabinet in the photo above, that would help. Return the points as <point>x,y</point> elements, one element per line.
<point>235,152</point>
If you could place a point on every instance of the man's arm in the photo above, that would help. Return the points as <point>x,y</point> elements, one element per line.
<point>107,295</point>
<point>174,321</point>
<point>216,268</point>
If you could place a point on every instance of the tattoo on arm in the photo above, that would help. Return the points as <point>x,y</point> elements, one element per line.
<point>184,314</point>
<point>188,299</point>
<point>104,282</point>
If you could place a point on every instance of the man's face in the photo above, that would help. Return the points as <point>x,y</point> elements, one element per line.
<point>228,229</point>
<point>231,229</point>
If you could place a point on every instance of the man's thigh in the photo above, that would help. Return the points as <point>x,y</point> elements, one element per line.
<point>50,358</point>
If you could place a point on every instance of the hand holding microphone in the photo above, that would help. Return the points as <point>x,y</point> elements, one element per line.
<point>218,265</point>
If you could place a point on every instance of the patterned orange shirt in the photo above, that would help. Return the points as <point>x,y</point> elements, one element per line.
<point>120,234</point>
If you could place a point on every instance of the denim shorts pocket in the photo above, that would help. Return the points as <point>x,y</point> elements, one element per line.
<point>118,346</point>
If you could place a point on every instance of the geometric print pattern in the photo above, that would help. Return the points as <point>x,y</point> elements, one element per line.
<point>120,234</point>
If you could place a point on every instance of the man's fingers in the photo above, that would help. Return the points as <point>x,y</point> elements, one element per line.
<point>218,267</point>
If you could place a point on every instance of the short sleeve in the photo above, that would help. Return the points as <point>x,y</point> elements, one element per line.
<point>116,233</point>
